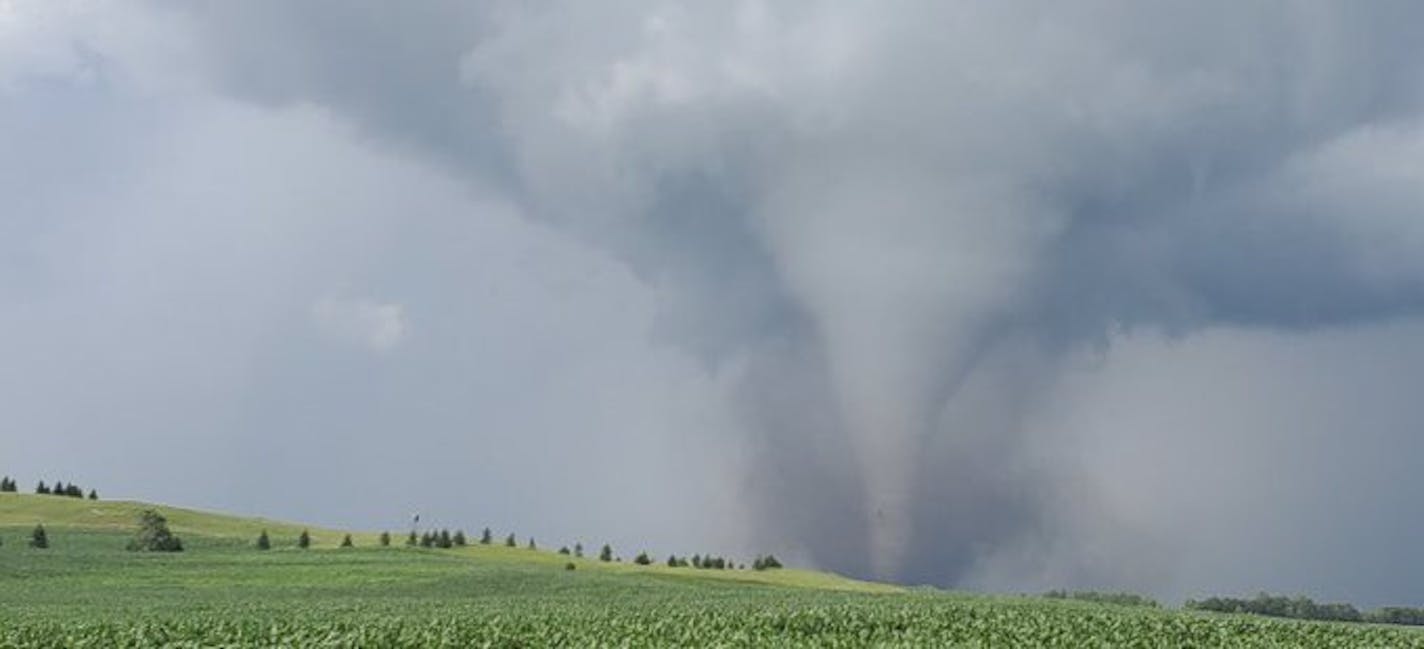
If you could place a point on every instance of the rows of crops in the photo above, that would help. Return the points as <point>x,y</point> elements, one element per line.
<point>809,621</point>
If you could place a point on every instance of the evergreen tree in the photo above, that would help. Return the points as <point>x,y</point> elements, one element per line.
<point>346,542</point>
<point>578,550</point>
<point>38,538</point>
<point>411,540</point>
<point>642,559</point>
<point>509,540</point>
<point>459,539</point>
<point>263,541</point>
<point>427,540</point>
<point>41,488</point>
<point>93,495</point>
<point>486,538</point>
<point>531,544</point>
<point>304,541</point>
<point>444,541</point>
<point>57,489</point>
<point>564,550</point>
<point>605,554</point>
<point>696,561</point>
<point>73,491</point>
<point>153,534</point>
<point>6,485</point>
<point>385,539</point>
<point>672,561</point>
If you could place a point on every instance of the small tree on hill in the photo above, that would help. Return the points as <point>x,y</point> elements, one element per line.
<point>6,485</point>
<point>385,539</point>
<point>346,541</point>
<point>304,541</point>
<point>38,538</point>
<point>41,488</point>
<point>93,495</point>
<point>444,542</point>
<point>531,544</point>
<point>509,541</point>
<point>578,550</point>
<point>57,489</point>
<point>564,550</point>
<point>642,559</point>
<point>486,538</point>
<point>153,534</point>
<point>263,541</point>
<point>459,539</point>
<point>606,553</point>
<point>411,541</point>
<point>427,540</point>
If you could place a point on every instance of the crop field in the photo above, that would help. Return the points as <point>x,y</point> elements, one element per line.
<point>87,591</point>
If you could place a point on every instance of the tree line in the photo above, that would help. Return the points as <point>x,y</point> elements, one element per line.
<point>1304,608</point>
<point>8,485</point>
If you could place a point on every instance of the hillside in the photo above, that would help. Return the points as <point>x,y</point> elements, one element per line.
<point>21,512</point>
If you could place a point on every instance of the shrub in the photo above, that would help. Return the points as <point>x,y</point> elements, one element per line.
<point>263,542</point>
<point>642,559</point>
<point>385,539</point>
<point>304,541</point>
<point>569,566</point>
<point>346,542</point>
<point>767,562</point>
<point>38,538</point>
<point>564,550</point>
<point>578,550</point>
<point>509,541</point>
<point>153,534</point>
<point>93,495</point>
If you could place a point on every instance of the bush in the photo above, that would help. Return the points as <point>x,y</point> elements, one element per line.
<point>93,495</point>
<point>385,539</point>
<point>642,559</point>
<point>767,562</point>
<point>263,542</point>
<point>38,538</point>
<point>564,550</point>
<point>153,534</point>
<point>509,541</point>
<point>411,540</point>
<point>304,541</point>
<point>346,542</point>
<point>578,550</point>
<point>569,566</point>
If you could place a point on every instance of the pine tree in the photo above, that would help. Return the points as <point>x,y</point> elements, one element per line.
<point>672,561</point>
<point>444,542</point>
<point>38,538</point>
<point>263,542</point>
<point>486,538</point>
<point>696,561</point>
<point>564,550</point>
<point>57,489</point>
<point>642,559</point>
<point>304,541</point>
<point>578,550</point>
<point>605,554</point>
<point>346,542</point>
<point>459,539</point>
<point>427,540</point>
<point>93,495</point>
<point>410,541</point>
<point>509,540</point>
<point>531,544</point>
<point>41,488</point>
<point>385,539</point>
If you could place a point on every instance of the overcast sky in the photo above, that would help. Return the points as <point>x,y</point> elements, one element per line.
<point>998,295</point>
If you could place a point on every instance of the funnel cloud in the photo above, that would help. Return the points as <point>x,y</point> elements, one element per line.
<point>897,290</point>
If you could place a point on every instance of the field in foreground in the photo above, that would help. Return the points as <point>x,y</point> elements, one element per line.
<point>87,591</point>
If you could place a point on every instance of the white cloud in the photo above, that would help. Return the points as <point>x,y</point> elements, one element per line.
<point>377,326</point>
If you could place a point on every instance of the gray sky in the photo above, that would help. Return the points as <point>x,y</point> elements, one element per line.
<point>1009,296</point>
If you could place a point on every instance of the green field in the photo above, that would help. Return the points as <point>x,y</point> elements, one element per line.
<point>87,591</point>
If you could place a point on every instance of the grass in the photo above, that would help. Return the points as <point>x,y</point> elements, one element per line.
<point>87,591</point>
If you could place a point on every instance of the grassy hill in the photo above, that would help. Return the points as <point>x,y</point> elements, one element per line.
<point>86,590</point>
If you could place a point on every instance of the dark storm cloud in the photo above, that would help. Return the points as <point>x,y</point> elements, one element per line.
<point>891,227</point>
